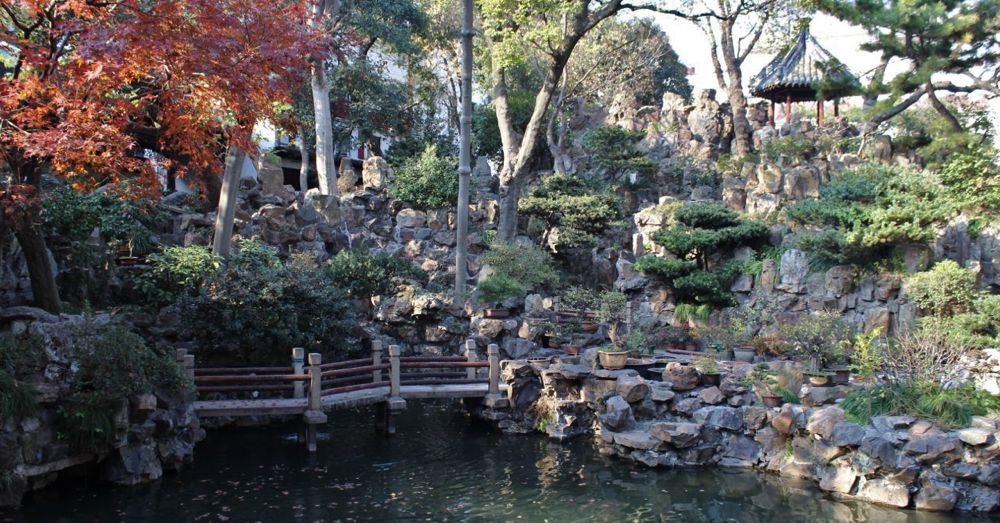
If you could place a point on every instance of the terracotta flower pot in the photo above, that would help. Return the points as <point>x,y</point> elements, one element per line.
<point>841,376</point>
<point>496,313</point>
<point>590,327</point>
<point>572,350</point>
<point>613,360</point>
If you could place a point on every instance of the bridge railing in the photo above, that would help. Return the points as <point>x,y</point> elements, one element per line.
<point>390,370</point>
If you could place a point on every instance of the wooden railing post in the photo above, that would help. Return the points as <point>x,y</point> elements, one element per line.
<point>314,411</point>
<point>376,360</point>
<point>471,357</point>
<point>298,366</point>
<point>493,397</point>
<point>396,402</point>
<point>189,365</point>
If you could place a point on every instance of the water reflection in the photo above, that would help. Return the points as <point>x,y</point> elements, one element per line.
<point>440,467</point>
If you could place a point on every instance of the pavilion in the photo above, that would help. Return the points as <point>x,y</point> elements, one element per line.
<point>805,72</point>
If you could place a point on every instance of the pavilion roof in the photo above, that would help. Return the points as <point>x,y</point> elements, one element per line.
<point>805,72</point>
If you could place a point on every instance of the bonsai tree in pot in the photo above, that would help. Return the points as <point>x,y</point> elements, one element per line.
<point>764,382</point>
<point>815,337</point>
<point>708,368</point>
<point>497,289</point>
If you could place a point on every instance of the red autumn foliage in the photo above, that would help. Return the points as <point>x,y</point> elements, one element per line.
<point>95,80</point>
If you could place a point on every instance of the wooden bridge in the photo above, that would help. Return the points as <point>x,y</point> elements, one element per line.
<point>311,390</point>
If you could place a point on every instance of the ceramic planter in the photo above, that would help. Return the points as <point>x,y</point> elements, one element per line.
<point>744,354</point>
<point>841,376</point>
<point>711,379</point>
<point>496,313</point>
<point>572,350</point>
<point>613,360</point>
<point>589,327</point>
<point>640,364</point>
<point>818,380</point>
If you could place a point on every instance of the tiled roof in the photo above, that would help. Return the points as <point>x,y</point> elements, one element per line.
<point>804,67</point>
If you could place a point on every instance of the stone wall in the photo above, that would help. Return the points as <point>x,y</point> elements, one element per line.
<point>153,433</point>
<point>897,461</point>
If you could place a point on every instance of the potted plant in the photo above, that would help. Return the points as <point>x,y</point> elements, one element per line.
<point>708,368</point>
<point>819,378</point>
<point>497,289</point>
<point>816,337</point>
<point>866,357</point>
<point>764,382</point>
<point>638,344</point>
<point>612,357</point>
<point>674,338</point>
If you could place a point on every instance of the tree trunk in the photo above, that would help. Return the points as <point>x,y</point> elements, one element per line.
<point>942,109</point>
<point>465,156</point>
<point>41,272</point>
<point>306,162</point>
<point>510,195</point>
<point>226,214</point>
<point>742,135</point>
<point>326,170</point>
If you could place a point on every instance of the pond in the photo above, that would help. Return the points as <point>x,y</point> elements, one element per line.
<point>440,466</point>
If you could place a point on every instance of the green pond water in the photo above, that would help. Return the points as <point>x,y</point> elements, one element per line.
<point>440,466</point>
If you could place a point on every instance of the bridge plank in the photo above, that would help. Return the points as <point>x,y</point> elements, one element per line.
<point>296,406</point>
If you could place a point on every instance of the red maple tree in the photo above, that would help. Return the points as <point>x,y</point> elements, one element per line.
<point>94,82</point>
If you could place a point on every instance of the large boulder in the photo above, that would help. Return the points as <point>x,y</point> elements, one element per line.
<point>376,173</point>
<point>679,434</point>
<point>681,377</point>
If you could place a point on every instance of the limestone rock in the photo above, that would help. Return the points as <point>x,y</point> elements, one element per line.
<point>679,434</point>
<point>632,388</point>
<point>823,421</point>
<point>794,269</point>
<point>936,494</point>
<point>617,413</point>
<point>711,396</point>
<point>636,439</point>
<point>837,479</point>
<point>376,173</point>
<point>884,492</point>
<point>727,418</point>
<point>411,218</point>
<point>847,434</point>
<point>681,377</point>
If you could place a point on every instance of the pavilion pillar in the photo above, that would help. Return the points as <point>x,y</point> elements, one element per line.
<point>788,109</point>
<point>836,107</point>
<point>770,114</point>
<point>819,113</point>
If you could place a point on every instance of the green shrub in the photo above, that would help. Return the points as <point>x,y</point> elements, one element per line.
<point>17,398</point>
<point>950,408</point>
<point>497,289</point>
<point>797,147</point>
<point>364,274</point>
<point>581,212</point>
<point>866,354</point>
<point>526,264</point>
<point>818,336</point>
<point>973,177</point>
<point>175,272</point>
<point>260,306</point>
<point>429,182</point>
<point>112,365</point>
<point>614,148</point>
<point>874,208</point>
<point>580,298</point>
<point>666,269</point>
<point>945,290</point>
<point>71,216</point>
<point>703,232</point>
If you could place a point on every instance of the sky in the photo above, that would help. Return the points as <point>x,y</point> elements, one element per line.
<point>838,37</point>
<point>842,39</point>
